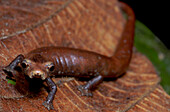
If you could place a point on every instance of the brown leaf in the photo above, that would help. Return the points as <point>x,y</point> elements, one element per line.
<point>158,100</point>
<point>95,25</point>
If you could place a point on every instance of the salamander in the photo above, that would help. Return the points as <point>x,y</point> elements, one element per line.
<point>47,62</point>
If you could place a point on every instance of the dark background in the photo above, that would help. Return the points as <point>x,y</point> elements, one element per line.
<point>155,15</point>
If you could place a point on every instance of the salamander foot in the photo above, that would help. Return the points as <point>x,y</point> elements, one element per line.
<point>9,71</point>
<point>84,91</point>
<point>49,106</point>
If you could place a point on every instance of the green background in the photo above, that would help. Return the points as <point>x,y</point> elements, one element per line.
<point>148,44</point>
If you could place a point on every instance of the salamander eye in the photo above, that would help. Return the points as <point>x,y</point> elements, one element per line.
<point>50,66</point>
<point>25,64</point>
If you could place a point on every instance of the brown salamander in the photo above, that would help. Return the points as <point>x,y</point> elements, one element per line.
<point>46,62</point>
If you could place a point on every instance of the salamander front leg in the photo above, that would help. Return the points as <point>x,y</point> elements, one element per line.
<point>49,101</point>
<point>86,89</point>
<point>10,69</point>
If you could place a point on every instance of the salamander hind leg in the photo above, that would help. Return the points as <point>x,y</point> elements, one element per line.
<point>86,89</point>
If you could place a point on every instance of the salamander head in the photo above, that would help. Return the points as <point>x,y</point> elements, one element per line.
<point>36,69</point>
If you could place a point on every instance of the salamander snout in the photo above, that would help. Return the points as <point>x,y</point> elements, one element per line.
<point>37,74</point>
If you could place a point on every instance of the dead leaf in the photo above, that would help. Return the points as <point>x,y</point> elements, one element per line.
<point>95,25</point>
<point>158,100</point>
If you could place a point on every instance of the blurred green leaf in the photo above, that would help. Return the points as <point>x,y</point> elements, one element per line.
<point>147,43</point>
<point>11,82</point>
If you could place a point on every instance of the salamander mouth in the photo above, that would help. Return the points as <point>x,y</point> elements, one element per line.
<point>36,76</point>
